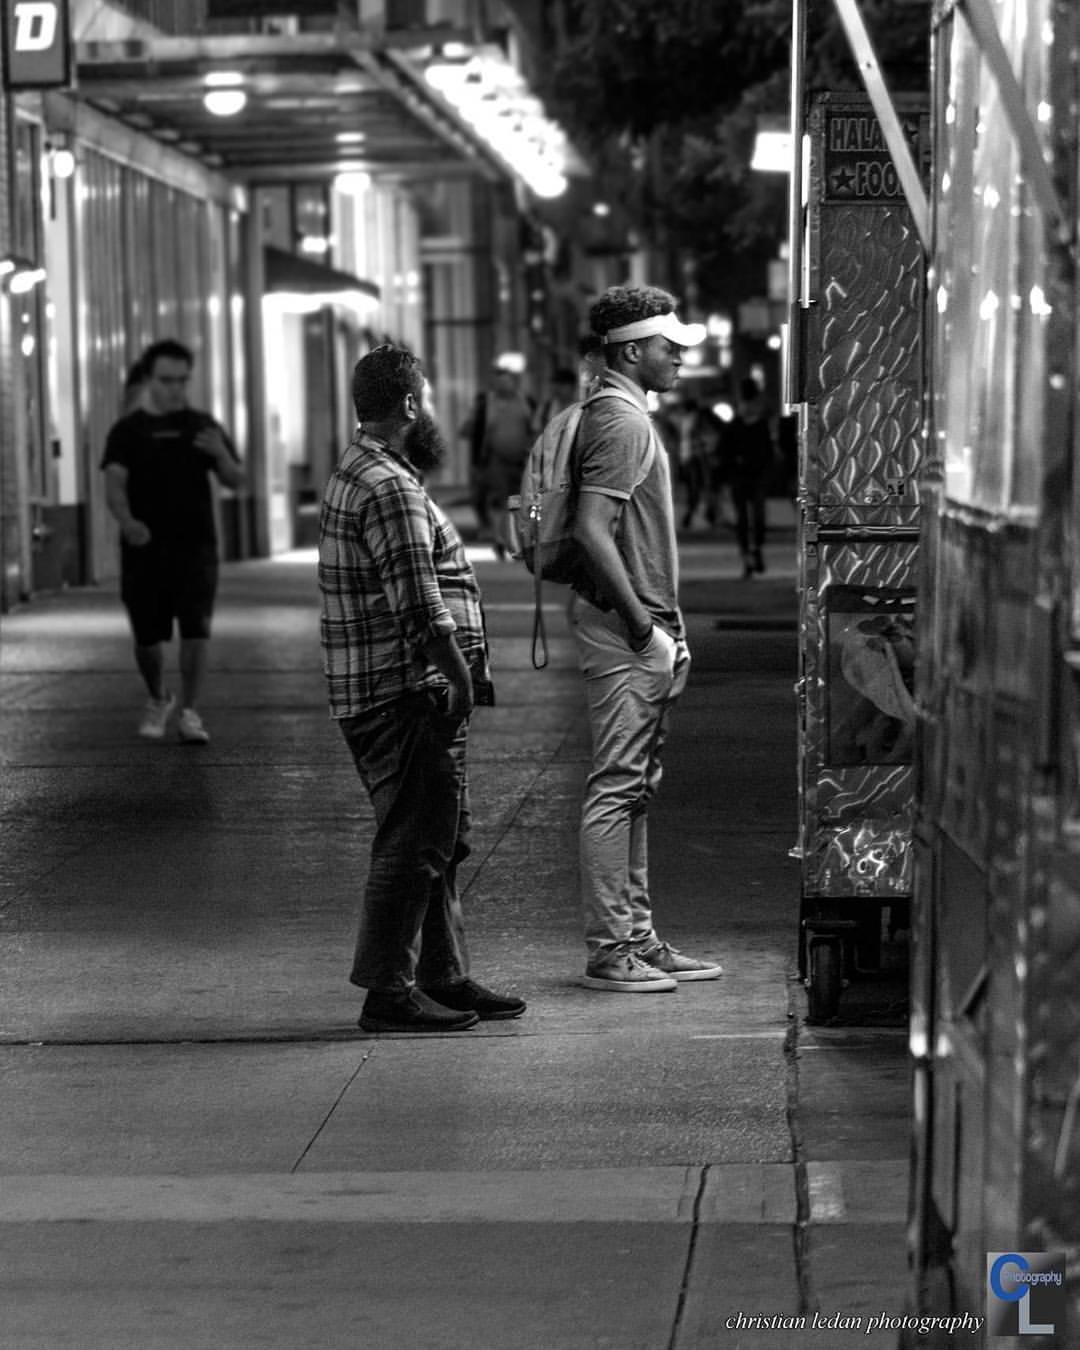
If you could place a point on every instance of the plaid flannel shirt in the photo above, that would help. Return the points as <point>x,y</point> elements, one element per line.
<point>393,575</point>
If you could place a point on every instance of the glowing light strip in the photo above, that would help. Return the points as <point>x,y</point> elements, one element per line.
<point>491,96</point>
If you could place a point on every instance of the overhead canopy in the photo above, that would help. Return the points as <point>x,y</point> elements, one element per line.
<point>317,103</point>
<point>288,272</point>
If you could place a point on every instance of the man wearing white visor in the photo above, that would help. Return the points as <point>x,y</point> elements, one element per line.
<point>630,635</point>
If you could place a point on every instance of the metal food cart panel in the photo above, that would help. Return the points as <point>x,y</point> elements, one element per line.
<point>858,718</point>
<point>861,450</point>
<point>867,271</point>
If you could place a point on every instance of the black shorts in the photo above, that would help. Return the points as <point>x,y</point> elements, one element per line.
<point>157,588</point>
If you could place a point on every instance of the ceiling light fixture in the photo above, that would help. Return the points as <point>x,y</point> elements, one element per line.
<point>24,276</point>
<point>353,184</point>
<point>60,157</point>
<point>224,102</point>
<point>225,95</point>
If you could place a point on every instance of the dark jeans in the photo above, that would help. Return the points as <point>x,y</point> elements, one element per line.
<point>411,759</point>
<point>749,500</point>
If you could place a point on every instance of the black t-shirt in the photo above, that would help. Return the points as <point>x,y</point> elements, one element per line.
<point>747,450</point>
<point>168,483</point>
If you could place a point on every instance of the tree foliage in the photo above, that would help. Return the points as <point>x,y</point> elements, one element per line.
<point>665,98</point>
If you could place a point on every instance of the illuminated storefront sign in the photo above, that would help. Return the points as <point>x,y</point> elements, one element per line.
<point>36,44</point>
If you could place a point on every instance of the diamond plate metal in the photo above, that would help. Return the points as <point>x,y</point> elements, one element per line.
<point>862,451</point>
<point>869,409</point>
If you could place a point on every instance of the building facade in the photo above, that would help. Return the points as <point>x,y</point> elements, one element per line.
<point>369,172</point>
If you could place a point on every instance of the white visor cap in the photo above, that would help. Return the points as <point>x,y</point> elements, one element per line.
<point>660,325</point>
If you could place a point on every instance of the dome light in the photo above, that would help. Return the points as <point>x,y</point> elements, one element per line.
<point>224,102</point>
<point>25,278</point>
<point>225,95</point>
<point>63,163</point>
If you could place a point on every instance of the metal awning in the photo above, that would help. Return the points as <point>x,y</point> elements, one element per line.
<point>317,104</point>
<point>290,272</point>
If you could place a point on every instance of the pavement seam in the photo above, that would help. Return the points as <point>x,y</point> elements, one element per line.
<point>350,1080</point>
<point>801,1229</point>
<point>688,1268</point>
<point>702,1198</point>
<point>525,795</point>
<point>339,1036</point>
<point>561,1197</point>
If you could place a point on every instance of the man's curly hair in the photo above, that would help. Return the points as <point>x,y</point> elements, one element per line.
<point>627,304</point>
<point>382,378</point>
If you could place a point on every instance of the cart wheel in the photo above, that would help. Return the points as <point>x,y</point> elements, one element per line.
<point>824,979</point>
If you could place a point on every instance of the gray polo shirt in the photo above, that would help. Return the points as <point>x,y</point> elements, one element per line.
<point>612,449</point>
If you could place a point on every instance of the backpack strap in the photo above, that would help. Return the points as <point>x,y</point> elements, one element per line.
<point>539,633</point>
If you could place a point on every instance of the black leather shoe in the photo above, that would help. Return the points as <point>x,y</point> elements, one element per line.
<point>467,996</point>
<point>412,1011</point>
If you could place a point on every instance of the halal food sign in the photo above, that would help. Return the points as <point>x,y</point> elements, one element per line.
<point>857,163</point>
<point>36,43</point>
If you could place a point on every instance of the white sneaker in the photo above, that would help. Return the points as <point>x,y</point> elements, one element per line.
<point>621,972</point>
<point>155,715</point>
<point>190,728</point>
<point>662,956</point>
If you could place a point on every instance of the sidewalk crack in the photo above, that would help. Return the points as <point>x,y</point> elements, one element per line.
<point>688,1268</point>
<point>333,1107</point>
<point>801,1230</point>
<point>509,825</point>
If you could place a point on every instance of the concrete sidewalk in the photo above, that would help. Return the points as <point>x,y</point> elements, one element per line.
<point>201,1151</point>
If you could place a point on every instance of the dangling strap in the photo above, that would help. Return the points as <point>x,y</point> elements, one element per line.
<point>539,634</point>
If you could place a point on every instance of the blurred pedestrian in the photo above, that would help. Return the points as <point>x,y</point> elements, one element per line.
<point>630,636</point>
<point>749,460</point>
<point>405,655</point>
<point>500,430</point>
<point>787,444</point>
<point>134,393</point>
<point>692,436</point>
<point>592,364</point>
<point>159,460</point>
<point>564,390</point>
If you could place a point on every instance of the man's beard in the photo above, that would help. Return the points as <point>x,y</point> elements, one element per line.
<point>424,444</point>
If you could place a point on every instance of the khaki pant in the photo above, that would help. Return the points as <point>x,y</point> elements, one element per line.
<point>629,696</point>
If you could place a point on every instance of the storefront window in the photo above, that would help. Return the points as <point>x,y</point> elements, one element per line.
<point>991,277</point>
<point>28,315</point>
<point>990,302</point>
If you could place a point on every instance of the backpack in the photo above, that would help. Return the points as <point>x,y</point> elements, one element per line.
<point>542,512</point>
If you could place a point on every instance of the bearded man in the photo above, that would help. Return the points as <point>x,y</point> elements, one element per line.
<point>405,656</point>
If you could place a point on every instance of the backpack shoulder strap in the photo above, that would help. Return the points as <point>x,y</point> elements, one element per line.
<point>553,438</point>
<point>610,392</point>
<point>650,456</point>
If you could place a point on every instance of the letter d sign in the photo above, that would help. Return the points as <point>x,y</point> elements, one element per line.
<point>36,46</point>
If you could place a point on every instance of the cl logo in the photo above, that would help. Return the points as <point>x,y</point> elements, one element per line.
<point>36,25</point>
<point>1019,1292</point>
